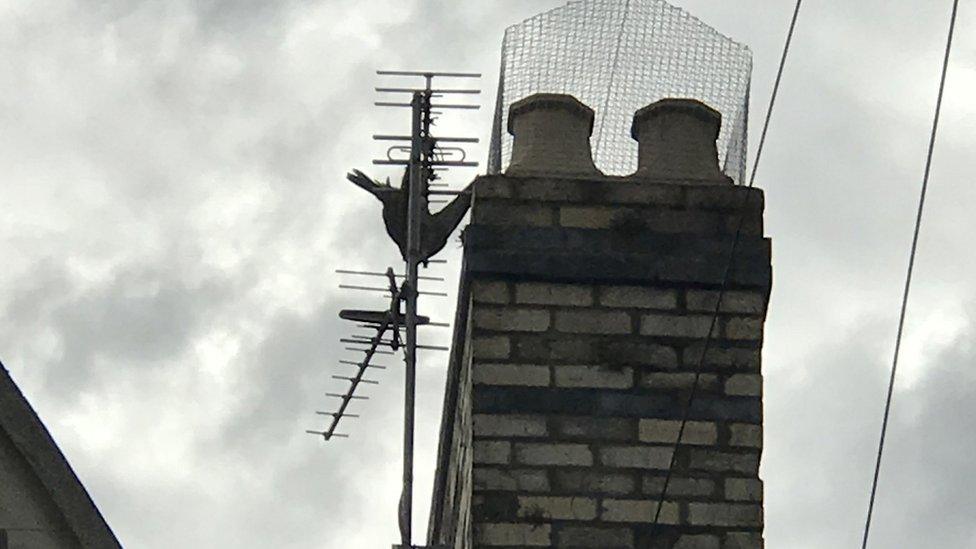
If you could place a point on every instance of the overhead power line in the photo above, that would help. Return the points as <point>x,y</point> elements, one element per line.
<point>908,275</point>
<point>772,98</point>
<point>728,269</point>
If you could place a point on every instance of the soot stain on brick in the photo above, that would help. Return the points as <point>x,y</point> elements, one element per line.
<point>627,225</point>
<point>535,513</point>
<point>663,537</point>
<point>497,507</point>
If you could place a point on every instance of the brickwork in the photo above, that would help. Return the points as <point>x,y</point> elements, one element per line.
<point>588,302</point>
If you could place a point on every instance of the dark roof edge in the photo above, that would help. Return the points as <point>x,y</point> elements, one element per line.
<point>33,441</point>
<point>450,404</point>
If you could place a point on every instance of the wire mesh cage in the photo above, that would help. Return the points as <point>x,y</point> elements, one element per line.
<point>617,56</point>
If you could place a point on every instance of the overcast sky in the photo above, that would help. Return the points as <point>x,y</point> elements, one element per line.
<point>174,207</point>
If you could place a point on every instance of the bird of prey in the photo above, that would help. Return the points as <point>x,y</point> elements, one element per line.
<point>435,228</point>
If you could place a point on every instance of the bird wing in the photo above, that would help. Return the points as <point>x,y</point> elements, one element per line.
<point>363,181</point>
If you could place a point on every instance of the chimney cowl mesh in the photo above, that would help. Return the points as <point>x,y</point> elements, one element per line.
<point>617,56</point>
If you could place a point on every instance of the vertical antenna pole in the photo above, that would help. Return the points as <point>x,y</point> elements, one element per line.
<point>414,209</point>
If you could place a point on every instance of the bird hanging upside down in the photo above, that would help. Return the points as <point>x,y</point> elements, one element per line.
<point>435,228</point>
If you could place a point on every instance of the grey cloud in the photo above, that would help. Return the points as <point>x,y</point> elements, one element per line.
<point>824,431</point>
<point>142,130</point>
<point>142,315</point>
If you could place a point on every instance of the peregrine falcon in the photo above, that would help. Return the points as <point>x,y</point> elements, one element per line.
<point>435,228</point>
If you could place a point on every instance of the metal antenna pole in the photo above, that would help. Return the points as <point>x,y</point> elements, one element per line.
<point>418,240</point>
<point>415,205</point>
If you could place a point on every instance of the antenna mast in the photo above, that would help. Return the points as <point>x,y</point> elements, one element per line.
<point>419,235</point>
<point>421,172</point>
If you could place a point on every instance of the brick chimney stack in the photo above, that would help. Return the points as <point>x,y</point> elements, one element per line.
<point>584,307</point>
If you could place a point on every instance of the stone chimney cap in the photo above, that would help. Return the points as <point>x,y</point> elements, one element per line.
<point>549,101</point>
<point>690,106</point>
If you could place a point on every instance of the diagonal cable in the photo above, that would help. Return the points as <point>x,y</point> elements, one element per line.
<point>908,275</point>
<point>727,272</point>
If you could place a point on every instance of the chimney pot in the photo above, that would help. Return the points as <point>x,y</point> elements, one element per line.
<point>676,140</point>
<point>552,136</point>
